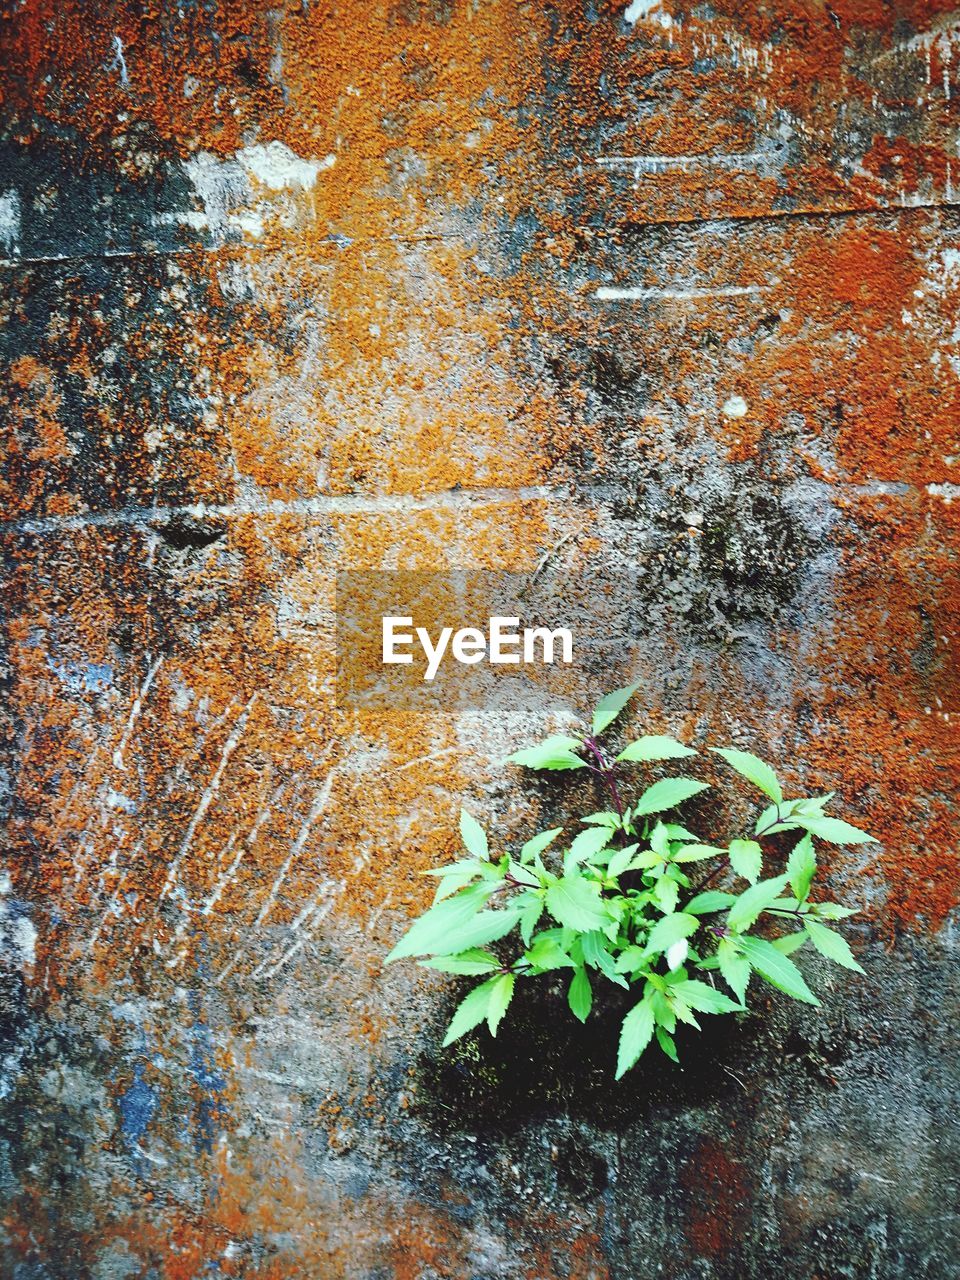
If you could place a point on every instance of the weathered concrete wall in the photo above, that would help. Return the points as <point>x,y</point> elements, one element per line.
<point>296,287</point>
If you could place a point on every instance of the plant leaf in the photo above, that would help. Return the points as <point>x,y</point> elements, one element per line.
<point>777,969</point>
<point>697,853</point>
<point>700,995</point>
<point>666,893</point>
<point>500,996</point>
<point>555,752</point>
<point>654,747</point>
<point>754,770</point>
<point>709,901</point>
<point>471,1011</point>
<point>746,858</point>
<point>833,829</point>
<point>436,925</point>
<point>469,962</point>
<point>546,953</point>
<point>670,929</point>
<point>801,867</point>
<point>529,917</point>
<point>580,995</point>
<point>635,1035</point>
<point>734,967</point>
<point>536,844</point>
<point>620,861</point>
<point>609,708</point>
<point>789,942</point>
<point>597,956</point>
<point>486,926</point>
<point>833,911</point>
<point>473,835</point>
<point>665,1041</point>
<point>590,842</point>
<point>576,903</point>
<point>753,900</point>
<point>831,945</point>
<point>666,794</point>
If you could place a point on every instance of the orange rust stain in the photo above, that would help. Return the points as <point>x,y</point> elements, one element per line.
<point>716,1210</point>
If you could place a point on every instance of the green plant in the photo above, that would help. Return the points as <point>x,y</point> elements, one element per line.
<point>618,904</point>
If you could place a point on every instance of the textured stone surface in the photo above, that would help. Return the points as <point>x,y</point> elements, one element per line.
<point>308,287</point>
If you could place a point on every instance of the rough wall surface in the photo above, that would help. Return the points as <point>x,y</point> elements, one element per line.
<point>296,287</point>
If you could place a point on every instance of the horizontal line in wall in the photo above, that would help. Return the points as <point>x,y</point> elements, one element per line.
<point>401,504</point>
<point>606,294</point>
<point>330,505</point>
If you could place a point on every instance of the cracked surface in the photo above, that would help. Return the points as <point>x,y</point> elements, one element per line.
<point>293,289</point>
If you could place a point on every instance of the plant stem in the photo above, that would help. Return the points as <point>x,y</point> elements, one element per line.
<point>774,823</point>
<point>605,771</point>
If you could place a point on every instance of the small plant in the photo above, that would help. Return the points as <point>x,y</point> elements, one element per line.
<point>617,903</point>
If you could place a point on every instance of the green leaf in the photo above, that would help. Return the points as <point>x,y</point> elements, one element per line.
<point>832,911</point>
<point>500,996</point>
<point>665,1041</point>
<point>754,900</point>
<point>700,995</point>
<point>597,956</point>
<point>635,1035</point>
<point>607,818</point>
<point>580,995</point>
<point>801,867</point>
<point>556,752</point>
<point>654,747</point>
<point>432,931</point>
<point>469,962</point>
<point>486,926</point>
<point>746,858</point>
<point>473,835</point>
<point>575,902</point>
<point>697,853</point>
<point>734,967</point>
<point>666,794</point>
<point>609,708</point>
<point>547,953</point>
<point>666,893</point>
<point>621,861</point>
<point>529,917</point>
<point>670,929</point>
<point>833,829</point>
<point>470,1012</point>
<point>831,945</point>
<point>589,842</point>
<point>709,901</point>
<point>631,959</point>
<point>754,770</point>
<point>454,878</point>
<point>777,969</point>
<point>536,844</point>
<point>790,942</point>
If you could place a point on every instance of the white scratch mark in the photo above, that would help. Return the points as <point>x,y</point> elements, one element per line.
<point>119,62</point>
<point>316,809</point>
<point>245,847</point>
<point>10,221</point>
<point>134,714</point>
<point>609,294</point>
<point>208,796</point>
<point>684,164</point>
<point>333,504</point>
<point>945,491</point>
<point>319,909</point>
